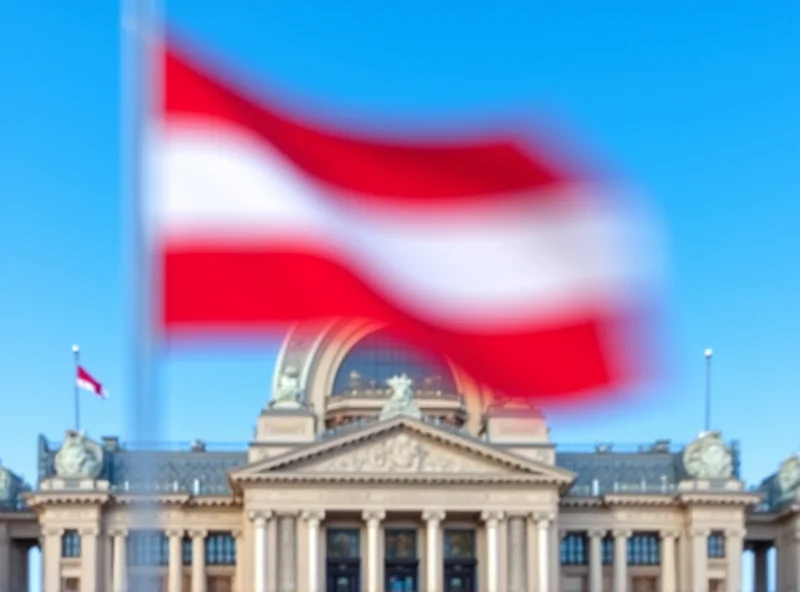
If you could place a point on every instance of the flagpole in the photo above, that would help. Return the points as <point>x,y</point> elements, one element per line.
<point>138,94</point>
<point>708,354</point>
<point>76,351</point>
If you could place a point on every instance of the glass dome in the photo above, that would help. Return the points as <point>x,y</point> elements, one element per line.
<point>379,356</point>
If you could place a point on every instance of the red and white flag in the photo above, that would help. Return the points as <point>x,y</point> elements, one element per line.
<point>87,382</point>
<point>490,251</point>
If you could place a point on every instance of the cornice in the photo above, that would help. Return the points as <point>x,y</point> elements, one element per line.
<point>46,498</point>
<point>170,499</point>
<point>411,478</point>
<point>215,501</point>
<point>719,498</point>
<point>638,499</point>
<point>581,502</point>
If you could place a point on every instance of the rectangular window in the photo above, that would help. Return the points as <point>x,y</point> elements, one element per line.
<point>459,544</point>
<point>71,544</point>
<point>401,543</point>
<point>343,543</point>
<point>716,545</point>
<point>574,549</point>
<point>644,549</point>
<point>220,549</point>
<point>148,548</point>
<point>186,550</point>
<point>608,550</point>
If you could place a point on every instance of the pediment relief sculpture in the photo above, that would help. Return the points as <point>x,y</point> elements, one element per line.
<point>401,453</point>
<point>708,458</point>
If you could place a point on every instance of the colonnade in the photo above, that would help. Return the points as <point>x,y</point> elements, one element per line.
<point>282,576</point>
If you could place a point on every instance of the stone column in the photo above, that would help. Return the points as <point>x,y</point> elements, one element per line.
<point>596,560</point>
<point>175,560</point>
<point>621,560</point>
<point>433,568</point>
<point>108,561</point>
<point>734,545</point>
<point>120,560</point>
<point>313,520</point>
<point>542,546</point>
<point>51,558</point>
<point>239,577</point>
<point>287,552</point>
<point>259,550</point>
<point>668,567</point>
<point>89,558</point>
<point>492,520</point>
<point>780,562</point>
<point>699,558</point>
<point>5,558</point>
<point>373,519</point>
<point>517,550</point>
<point>198,560</point>
<point>760,580</point>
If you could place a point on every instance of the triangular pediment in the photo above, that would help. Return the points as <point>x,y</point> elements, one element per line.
<point>403,448</point>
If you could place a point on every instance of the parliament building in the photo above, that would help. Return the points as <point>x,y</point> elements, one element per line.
<point>375,468</point>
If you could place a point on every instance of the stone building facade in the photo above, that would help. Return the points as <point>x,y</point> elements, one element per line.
<point>377,468</point>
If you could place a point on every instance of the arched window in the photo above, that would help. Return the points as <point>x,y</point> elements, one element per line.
<point>379,356</point>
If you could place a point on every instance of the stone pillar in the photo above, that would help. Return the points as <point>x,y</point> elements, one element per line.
<point>108,561</point>
<point>89,558</point>
<point>596,560</point>
<point>668,567</point>
<point>734,546</point>
<point>373,519</point>
<point>5,558</point>
<point>542,546</point>
<point>120,560</point>
<point>795,561</point>
<point>313,520</point>
<point>621,560</point>
<point>433,568</point>
<point>287,552</point>
<point>175,560</point>
<point>259,550</point>
<point>699,558</point>
<point>51,558</point>
<point>492,520</point>
<point>198,559</point>
<point>239,577</point>
<point>517,550</point>
<point>760,570</point>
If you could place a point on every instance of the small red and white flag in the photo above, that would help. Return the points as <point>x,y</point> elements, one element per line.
<point>491,251</point>
<point>87,382</point>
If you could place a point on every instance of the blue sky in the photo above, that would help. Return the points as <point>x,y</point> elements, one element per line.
<point>698,105</point>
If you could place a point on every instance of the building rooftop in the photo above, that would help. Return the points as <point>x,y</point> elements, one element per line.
<point>202,468</point>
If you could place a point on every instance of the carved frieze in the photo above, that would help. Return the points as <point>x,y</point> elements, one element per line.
<point>400,453</point>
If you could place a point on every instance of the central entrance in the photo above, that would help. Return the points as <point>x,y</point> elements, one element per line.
<point>343,566</point>
<point>459,561</point>
<point>401,562</point>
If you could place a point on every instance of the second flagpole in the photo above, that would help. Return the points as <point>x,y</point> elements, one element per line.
<point>76,352</point>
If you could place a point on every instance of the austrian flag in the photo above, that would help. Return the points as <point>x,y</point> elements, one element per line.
<point>505,259</point>
<point>87,382</point>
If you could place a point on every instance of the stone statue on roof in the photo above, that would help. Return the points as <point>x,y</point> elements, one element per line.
<point>78,457</point>
<point>289,393</point>
<point>708,457</point>
<point>402,400</point>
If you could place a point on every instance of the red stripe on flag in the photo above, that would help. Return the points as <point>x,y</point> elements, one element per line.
<point>247,291</point>
<point>371,167</point>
